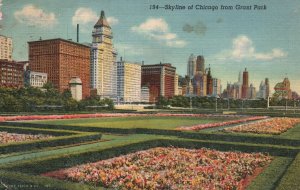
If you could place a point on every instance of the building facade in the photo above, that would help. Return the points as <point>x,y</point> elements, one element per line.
<point>103,60</point>
<point>61,60</point>
<point>35,79</point>
<point>11,74</point>
<point>76,88</point>
<point>216,87</point>
<point>251,92</point>
<point>283,89</point>
<point>145,94</point>
<point>245,84</point>
<point>160,78</point>
<point>176,92</point>
<point>128,82</point>
<point>191,67</point>
<point>200,64</point>
<point>199,84</point>
<point>209,86</point>
<point>6,48</point>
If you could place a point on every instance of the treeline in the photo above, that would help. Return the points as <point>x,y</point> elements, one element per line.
<point>30,99</point>
<point>210,102</point>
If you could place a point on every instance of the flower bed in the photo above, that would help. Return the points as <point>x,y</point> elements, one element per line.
<point>275,125</point>
<point>170,168</point>
<point>219,124</point>
<point>14,137</point>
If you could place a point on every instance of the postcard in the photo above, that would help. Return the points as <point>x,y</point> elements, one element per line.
<point>131,94</point>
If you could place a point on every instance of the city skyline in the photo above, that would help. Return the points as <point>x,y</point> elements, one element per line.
<point>265,41</point>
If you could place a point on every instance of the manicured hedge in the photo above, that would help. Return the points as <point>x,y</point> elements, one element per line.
<point>193,135</point>
<point>57,162</point>
<point>35,131</point>
<point>16,180</point>
<point>72,138</point>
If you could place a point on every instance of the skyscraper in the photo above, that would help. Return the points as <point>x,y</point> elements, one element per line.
<point>61,60</point>
<point>6,48</point>
<point>245,85</point>
<point>267,87</point>
<point>209,85</point>
<point>103,57</point>
<point>251,92</point>
<point>191,67</point>
<point>200,64</point>
<point>216,87</point>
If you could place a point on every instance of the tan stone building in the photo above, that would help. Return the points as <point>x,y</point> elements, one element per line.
<point>128,81</point>
<point>103,60</point>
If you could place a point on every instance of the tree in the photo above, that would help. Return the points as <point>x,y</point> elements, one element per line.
<point>162,102</point>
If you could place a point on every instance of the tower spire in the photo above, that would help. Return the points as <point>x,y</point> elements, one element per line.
<point>102,21</point>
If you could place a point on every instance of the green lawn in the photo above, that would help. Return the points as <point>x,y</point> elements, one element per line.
<point>293,133</point>
<point>25,167</point>
<point>135,122</point>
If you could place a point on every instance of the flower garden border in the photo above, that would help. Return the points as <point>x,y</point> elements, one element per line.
<point>286,152</point>
<point>32,168</point>
<point>61,138</point>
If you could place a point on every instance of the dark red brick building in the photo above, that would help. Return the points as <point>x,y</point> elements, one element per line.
<point>245,84</point>
<point>160,79</point>
<point>11,74</point>
<point>61,60</point>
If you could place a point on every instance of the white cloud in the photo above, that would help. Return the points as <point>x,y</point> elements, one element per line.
<point>158,29</point>
<point>244,49</point>
<point>32,15</point>
<point>276,53</point>
<point>85,15</point>
<point>129,49</point>
<point>112,20</point>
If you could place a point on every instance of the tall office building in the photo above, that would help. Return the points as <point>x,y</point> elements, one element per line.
<point>6,48</point>
<point>251,92</point>
<point>216,87</point>
<point>200,64</point>
<point>199,85</point>
<point>176,93</point>
<point>267,87</point>
<point>245,84</point>
<point>191,67</point>
<point>160,79</point>
<point>209,86</point>
<point>264,89</point>
<point>61,60</point>
<point>128,81</point>
<point>103,60</point>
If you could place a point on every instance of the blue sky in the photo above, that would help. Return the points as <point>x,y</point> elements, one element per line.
<point>267,41</point>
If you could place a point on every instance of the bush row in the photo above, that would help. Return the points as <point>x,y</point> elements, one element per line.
<point>51,142</point>
<point>36,131</point>
<point>259,139</point>
<point>43,165</point>
<point>15,180</point>
<point>64,161</point>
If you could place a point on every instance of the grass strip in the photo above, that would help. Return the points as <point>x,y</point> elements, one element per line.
<point>290,181</point>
